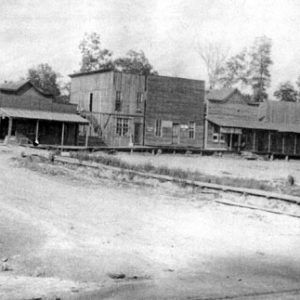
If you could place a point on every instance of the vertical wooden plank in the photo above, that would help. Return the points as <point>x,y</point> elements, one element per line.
<point>10,123</point>
<point>87,135</point>
<point>62,133</point>
<point>37,131</point>
<point>254,138</point>
<point>205,133</point>
<point>269,141</point>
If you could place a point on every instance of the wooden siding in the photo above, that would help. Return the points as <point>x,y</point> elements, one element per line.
<point>104,87</point>
<point>177,101</point>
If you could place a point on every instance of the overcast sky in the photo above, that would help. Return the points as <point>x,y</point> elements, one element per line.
<point>34,32</point>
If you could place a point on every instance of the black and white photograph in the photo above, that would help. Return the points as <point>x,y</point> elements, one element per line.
<point>150,149</point>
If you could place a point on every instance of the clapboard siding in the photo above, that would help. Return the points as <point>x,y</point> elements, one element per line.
<point>176,100</point>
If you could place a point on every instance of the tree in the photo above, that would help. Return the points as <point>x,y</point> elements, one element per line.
<point>214,56</point>
<point>286,92</point>
<point>236,70</point>
<point>94,57</point>
<point>134,62</point>
<point>44,78</point>
<point>260,61</point>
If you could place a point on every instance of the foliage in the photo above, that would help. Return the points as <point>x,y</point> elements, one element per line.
<point>44,78</point>
<point>65,92</point>
<point>214,56</point>
<point>94,57</point>
<point>134,62</point>
<point>236,70</point>
<point>286,92</point>
<point>259,69</point>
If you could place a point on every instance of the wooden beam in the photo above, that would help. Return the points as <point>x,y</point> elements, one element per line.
<point>269,141</point>
<point>254,138</point>
<point>295,144</point>
<point>62,133</point>
<point>230,145</point>
<point>37,131</point>
<point>87,135</point>
<point>10,123</point>
<point>239,142</point>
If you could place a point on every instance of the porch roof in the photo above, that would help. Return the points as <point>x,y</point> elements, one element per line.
<point>233,123</point>
<point>41,115</point>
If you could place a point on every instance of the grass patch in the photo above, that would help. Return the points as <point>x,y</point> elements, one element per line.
<point>178,173</point>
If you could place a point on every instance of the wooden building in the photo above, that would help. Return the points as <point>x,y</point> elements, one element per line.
<point>271,127</point>
<point>26,113</point>
<point>127,109</point>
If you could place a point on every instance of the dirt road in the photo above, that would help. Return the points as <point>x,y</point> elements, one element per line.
<point>65,231</point>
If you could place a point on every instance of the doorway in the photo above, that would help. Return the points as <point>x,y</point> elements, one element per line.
<point>137,136</point>
<point>176,133</point>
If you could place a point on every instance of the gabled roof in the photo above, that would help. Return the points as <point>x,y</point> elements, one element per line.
<point>221,94</point>
<point>90,72</point>
<point>15,87</point>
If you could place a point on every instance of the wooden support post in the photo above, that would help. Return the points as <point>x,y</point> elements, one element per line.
<point>62,133</point>
<point>283,144</point>
<point>239,142</point>
<point>10,123</point>
<point>295,144</point>
<point>254,140</point>
<point>269,141</point>
<point>230,145</point>
<point>37,131</point>
<point>87,136</point>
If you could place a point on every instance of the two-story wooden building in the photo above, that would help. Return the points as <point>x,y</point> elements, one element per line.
<point>126,109</point>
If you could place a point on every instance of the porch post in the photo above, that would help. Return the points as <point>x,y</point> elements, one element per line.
<point>295,144</point>
<point>87,135</point>
<point>254,138</point>
<point>269,141</point>
<point>62,133</point>
<point>239,142</point>
<point>10,123</point>
<point>37,130</point>
<point>230,147</point>
<point>283,144</point>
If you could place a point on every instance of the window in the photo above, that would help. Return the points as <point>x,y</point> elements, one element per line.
<point>118,101</point>
<point>139,101</point>
<point>215,137</point>
<point>192,126</point>
<point>158,127</point>
<point>91,102</point>
<point>122,126</point>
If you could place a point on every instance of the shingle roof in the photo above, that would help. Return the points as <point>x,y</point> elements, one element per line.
<point>221,94</point>
<point>226,122</point>
<point>42,115</point>
<point>13,86</point>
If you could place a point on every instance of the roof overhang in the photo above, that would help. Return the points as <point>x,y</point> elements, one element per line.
<point>42,115</point>
<point>244,124</point>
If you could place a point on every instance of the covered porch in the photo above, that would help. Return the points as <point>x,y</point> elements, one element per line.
<point>41,127</point>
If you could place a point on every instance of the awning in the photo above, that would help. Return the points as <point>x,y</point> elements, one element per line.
<point>42,115</point>
<point>245,124</point>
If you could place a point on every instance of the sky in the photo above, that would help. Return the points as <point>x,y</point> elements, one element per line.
<point>49,31</point>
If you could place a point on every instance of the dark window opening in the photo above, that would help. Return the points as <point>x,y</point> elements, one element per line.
<point>158,127</point>
<point>139,101</point>
<point>192,126</point>
<point>91,102</point>
<point>118,101</point>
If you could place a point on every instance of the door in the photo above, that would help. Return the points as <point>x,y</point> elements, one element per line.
<point>137,137</point>
<point>176,133</point>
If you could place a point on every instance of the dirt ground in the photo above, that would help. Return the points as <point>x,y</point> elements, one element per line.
<point>232,166</point>
<point>65,231</point>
